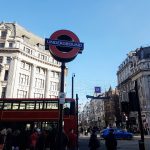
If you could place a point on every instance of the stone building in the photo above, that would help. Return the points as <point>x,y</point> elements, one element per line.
<point>136,67</point>
<point>112,108</point>
<point>27,70</point>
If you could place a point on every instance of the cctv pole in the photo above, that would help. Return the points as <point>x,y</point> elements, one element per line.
<point>141,142</point>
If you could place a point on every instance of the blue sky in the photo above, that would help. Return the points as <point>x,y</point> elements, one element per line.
<point>108,28</point>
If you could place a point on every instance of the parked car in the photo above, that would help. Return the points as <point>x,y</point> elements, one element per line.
<point>119,133</point>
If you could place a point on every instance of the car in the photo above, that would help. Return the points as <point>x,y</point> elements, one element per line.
<point>119,133</point>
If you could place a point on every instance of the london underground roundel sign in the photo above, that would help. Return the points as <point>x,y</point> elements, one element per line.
<point>64,45</point>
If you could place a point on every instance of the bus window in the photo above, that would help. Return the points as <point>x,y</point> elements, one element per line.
<point>50,105</point>
<point>1,105</point>
<point>22,106</point>
<point>67,109</point>
<point>39,105</point>
<point>7,106</point>
<point>15,106</point>
<point>30,105</point>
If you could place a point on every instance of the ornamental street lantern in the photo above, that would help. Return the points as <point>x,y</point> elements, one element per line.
<point>64,45</point>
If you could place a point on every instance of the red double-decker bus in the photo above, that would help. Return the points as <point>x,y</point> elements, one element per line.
<point>40,113</point>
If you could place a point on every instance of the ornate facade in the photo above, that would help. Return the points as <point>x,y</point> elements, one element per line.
<point>136,67</point>
<point>27,70</point>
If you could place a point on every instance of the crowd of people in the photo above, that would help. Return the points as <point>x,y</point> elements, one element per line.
<point>17,139</point>
<point>36,139</point>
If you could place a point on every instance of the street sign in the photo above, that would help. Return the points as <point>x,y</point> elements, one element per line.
<point>62,97</point>
<point>97,89</point>
<point>64,45</point>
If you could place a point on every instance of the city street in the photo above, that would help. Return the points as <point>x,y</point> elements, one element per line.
<point>122,144</point>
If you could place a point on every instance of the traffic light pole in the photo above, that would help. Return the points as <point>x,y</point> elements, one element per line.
<point>141,142</point>
<point>60,128</point>
<point>77,119</point>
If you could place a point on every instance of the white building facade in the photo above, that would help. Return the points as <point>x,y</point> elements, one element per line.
<point>27,70</point>
<point>136,67</point>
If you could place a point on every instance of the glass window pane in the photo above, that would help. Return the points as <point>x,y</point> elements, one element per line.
<point>15,106</point>
<point>41,105</point>
<point>1,105</point>
<point>7,106</point>
<point>30,106</point>
<point>22,106</point>
<point>52,105</point>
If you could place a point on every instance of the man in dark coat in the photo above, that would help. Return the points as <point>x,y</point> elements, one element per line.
<point>94,143</point>
<point>63,143</point>
<point>110,141</point>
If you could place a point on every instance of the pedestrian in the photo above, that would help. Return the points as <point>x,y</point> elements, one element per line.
<point>110,141</point>
<point>16,140</point>
<point>72,144</point>
<point>94,143</point>
<point>33,140</point>
<point>52,138</point>
<point>9,139</point>
<point>64,141</point>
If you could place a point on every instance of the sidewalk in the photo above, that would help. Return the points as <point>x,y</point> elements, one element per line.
<point>139,136</point>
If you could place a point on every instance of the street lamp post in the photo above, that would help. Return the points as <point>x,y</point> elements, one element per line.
<point>73,75</point>
<point>77,118</point>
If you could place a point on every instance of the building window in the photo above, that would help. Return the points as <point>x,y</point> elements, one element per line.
<point>2,45</point>
<point>21,94</point>
<point>38,95</point>
<point>37,70</point>
<point>28,50</point>
<point>8,60</point>
<point>52,74</point>
<point>39,83</point>
<point>3,34</point>
<point>6,75</point>
<point>22,64</point>
<point>10,45</point>
<point>40,70</point>
<point>54,86</point>
<point>3,95</point>
<point>57,74</point>
<point>23,79</point>
<point>25,65</point>
<point>1,59</point>
<point>42,57</point>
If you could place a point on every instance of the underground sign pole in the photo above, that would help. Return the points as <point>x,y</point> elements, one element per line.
<point>64,46</point>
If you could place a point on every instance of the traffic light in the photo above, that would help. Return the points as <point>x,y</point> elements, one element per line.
<point>133,105</point>
<point>125,107</point>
